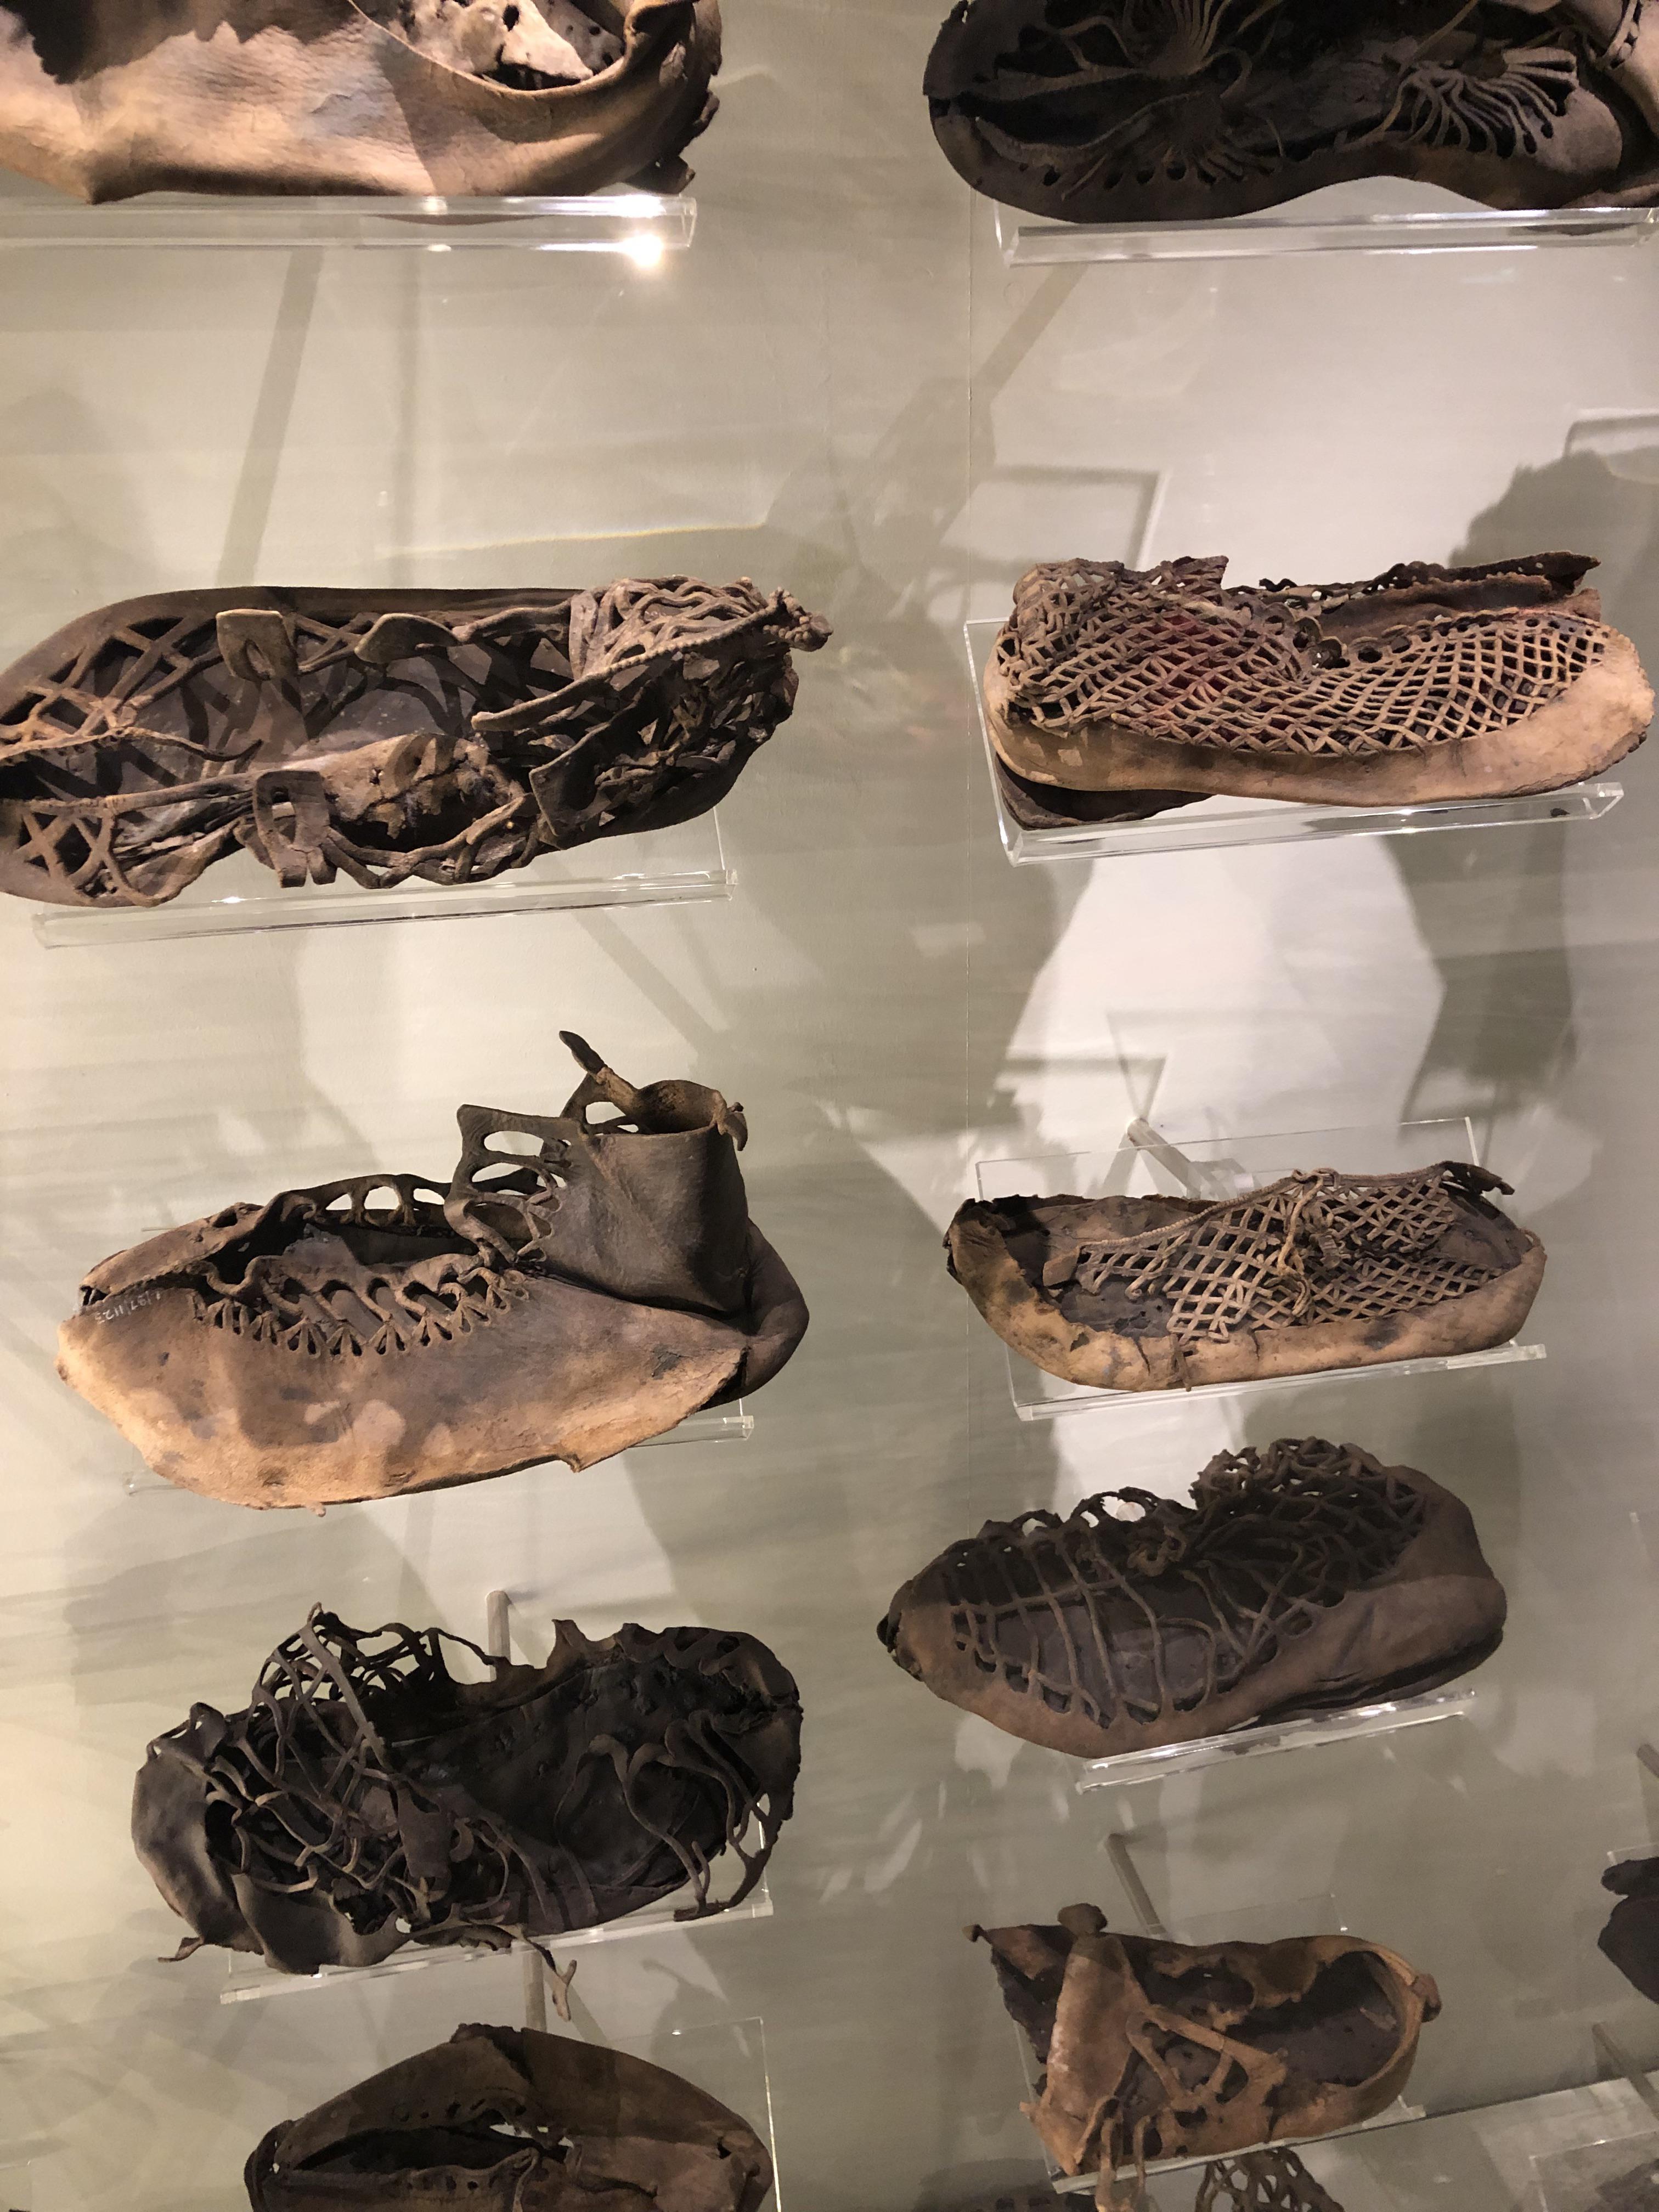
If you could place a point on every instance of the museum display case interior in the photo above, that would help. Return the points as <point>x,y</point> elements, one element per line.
<point>844,634</point>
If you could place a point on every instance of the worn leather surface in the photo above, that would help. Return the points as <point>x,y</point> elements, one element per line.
<point>1266,2041</point>
<point>1305,1578</point>
<point>506,2121</point>
<point>1117,113</point>
<point>108,98</point>
<point>327,1346</point>
<point>367,1797</point>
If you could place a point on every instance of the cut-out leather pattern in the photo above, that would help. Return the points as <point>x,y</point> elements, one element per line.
<point>509,2122</point>
<point>367,1797</point>
<point>1127,110</point>
<point>1270,1542</point>
<point>1169,651</point>
<point>1154,2049</point>
<point>1311,1247</point>
<point>1261,2181</point>
<point>381,745</point>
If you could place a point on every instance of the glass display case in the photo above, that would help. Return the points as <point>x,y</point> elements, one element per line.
<point>820,1023</point>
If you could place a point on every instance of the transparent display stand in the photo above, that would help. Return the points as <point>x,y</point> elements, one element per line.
<point>662,868</point>
<point>1218,822</point>
<point>641,226</point>
<point>714,1424</point>
<point>1387,1717</point>
<point>1330,222</point>
<point>248,1978</point>
<point>1148,1162</point>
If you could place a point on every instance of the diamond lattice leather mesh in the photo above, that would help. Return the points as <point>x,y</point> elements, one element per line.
<point>382,736</point>
<point>506,2121</point>
<point>380,1335</point>
<point>367,1797</point>
<point>1315,1270</point>
<point>1153,2049</point>
<point>108,98</point>
<point>1301,1578</point>
<point>1133,111</point>
<point>1424,682</point>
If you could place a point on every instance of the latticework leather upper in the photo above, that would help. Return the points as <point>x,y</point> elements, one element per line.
<point>1168,652</point>
<point>1321,1247</point>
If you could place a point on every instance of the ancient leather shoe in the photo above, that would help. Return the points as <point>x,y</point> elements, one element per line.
<point>1153,2050</point>
<point>370,1337</point>
<point>1630,1938</point>
<point>461,98</point>
<point>1302,1579</point>
<point>1112,692</point>
<point>380,735</point>
<point>1133,111</point>
<point>501,2121</point>
<point>1314,1270</point>
<point>366,1799</point>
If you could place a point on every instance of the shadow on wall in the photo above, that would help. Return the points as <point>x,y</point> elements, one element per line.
<point>1504,1039</point>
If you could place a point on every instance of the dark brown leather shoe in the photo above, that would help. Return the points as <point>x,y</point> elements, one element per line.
<point>501,2121</point>
<point>1153,2050</point>
<point>1162,111</point>
<point>366,1798</point>
<point>1303,1579</point>
<point>379,735</point>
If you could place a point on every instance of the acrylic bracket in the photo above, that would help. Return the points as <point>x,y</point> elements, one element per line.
<point>248,1978</point>
<point>641,227</point>
<point>1223,822</point>
<point>1214,1170</point>
<point>1388,1717</point>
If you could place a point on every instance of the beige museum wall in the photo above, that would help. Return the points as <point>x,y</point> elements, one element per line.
<point>842,389</point>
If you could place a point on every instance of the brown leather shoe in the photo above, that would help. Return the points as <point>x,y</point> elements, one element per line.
<point>106,98</point>
<point>503,2121</point>
<point>1154,110</point>
<point>379,735</point>
<point>1303,1579</point>
<point>1313,1272</point>
<point>1153,2049</point>
<point>366,1798</point>
<point>1112,692</point>
<point>328,1346</point>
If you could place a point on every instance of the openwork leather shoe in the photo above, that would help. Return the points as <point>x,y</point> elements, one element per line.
<point>1262,2181</point>
<point>1153,2049</point>
<point>1314,1270</point>
<point>1114,692</point>
<point>463,98</point>
<point>380,735</point>
<point>366,1799</point>
<point>1134,110</point>
<point>1303,1579</point>
<point>501,2121</point>
<point>374,1336</point>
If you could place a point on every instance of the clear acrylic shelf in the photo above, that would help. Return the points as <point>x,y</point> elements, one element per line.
<point>673,867</point>
<point>1387,1718</point>
<point>1149,1161</point>
<point>1031,241</point>
<point>1218,822</point>
<point>641,226</point>
<point>248,1978</point>
<point>1041,1397</point>
<point>714,1424</point>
